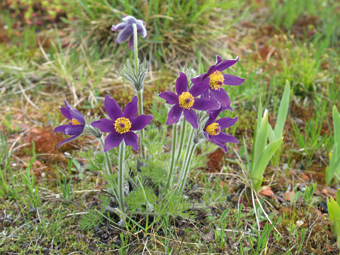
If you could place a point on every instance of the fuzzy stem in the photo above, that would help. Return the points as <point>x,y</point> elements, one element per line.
<point>107,158</point>
<point>121,158</point>
<point>140,112</point>
<point>187,162</point>
<point>173,152</point>
<point>135,46</point>
<point>181,141</point>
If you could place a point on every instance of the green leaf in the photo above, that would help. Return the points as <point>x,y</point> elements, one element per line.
<point>262,162</point>
<point>283,110</point>
<point>338,197</point>
<point>336,120</point>
<point>333,166</point>
<point>271,134</point>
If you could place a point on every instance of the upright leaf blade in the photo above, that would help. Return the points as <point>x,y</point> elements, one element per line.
<point>283,110</point>
<point>261,137</point>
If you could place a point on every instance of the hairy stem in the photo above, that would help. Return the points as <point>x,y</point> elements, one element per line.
<point>121,158</point>
<point>107,158</point>
<point>135,46</point>
<point>181,141</point>
<point>140,111</point>
<point>173,152</point>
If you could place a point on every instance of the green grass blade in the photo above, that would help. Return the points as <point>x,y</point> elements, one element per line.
<point>283,110</point>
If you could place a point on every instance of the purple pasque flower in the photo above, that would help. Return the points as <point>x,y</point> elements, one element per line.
<point>121,124</point>
<point>213,127</point>
<point>127,30</point>
<point>217,79</point>
<point>185,101</point>
<point>76,125</point>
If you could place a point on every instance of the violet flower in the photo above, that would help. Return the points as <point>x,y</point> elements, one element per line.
<point>120,125</point>
<point>185,101</point>
<point>217,79</point>
<point>76,125</point>
<point>212,131</point>
<point>127,30</point>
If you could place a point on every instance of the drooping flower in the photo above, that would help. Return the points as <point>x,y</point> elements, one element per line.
<point>76,126</point>
<point>121,124</point>
<point>217,79</point>
<point>127,30</point>
<point>212,131</point>
<point>185,101</point>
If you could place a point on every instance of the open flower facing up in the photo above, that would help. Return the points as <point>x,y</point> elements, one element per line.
<point>217,79</point>
<point>212,131</point>
<point>127,30</point>
<point>185,101</point>
<point>76,126</point>
<point>121,124</point>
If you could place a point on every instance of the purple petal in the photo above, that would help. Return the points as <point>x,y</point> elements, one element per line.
<point>105,125</point>
<point>61,129</point>
<point>170,97</point>
<point>66,112</point>
<point>181,83</point>
<point>223,146</point>
<point>75,114</point>
<point>140,122</point>
<point>141,28</point>
<point>200,87</point>
<point>221,96</point>
<point>124,34</point>
<point>67,140</point>
<point>74,130</point>
<point>119,26</point>
<point>218,60</point>
<point>174,114</point>
<point>131,139</point>
<point>198,78</point>
<point>211,120</point>
<point>67,104</point>
<point>131,43</point>
<point>191,116</point>
<point>131,108</point>
<point>226,122</point>
<point>225,64</point>
<point>129,19</point>
<point>220,109</point>
<point>204,104</point>
<point>112,108</point>
<point>232,80</point>
<point>224,138</point>
<point>112,140</point>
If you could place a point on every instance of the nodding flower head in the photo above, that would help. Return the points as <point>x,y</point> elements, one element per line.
<point>76,126</point>
<point>121,124</point>
<point>127,30</point>
<point>185,101</point>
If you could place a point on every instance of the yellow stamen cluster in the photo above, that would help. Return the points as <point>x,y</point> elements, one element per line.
<point>122,125</point>
<point>213,129</point>
<point>75,122</point>
<point>186,100</point>
<point>216,80</point>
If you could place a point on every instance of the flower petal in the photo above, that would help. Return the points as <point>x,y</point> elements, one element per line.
<point>131,108</point>
<point>66,112</point>
<point>67,140</point>
<point>131,139</point>
<point>170,97</point>
<point>232,80</point>
<point>218,60</point>
<point>119,26</point>
<point>61,129</point>
<point>131,43</point>
<point>226,122</point>
<point>67,104</point>
<point>200,87</point>
<point>140,122</point>
<point>224,138</point>
<point>112,108</point>
<point>174,114</point>
<point>75,114</point>
<point>141,28</point>
<point>191,116</point>
<point>74,130</point>
<point>225,64</point>
<point>223,146</point>
<point>181,83</point>
<point>112,140</point>
<point>198,79</point>
<point>124,34</point>
<point>204,104</point>
<point>105,125</point>
<point>129,19</point>
<point>221,96</point>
